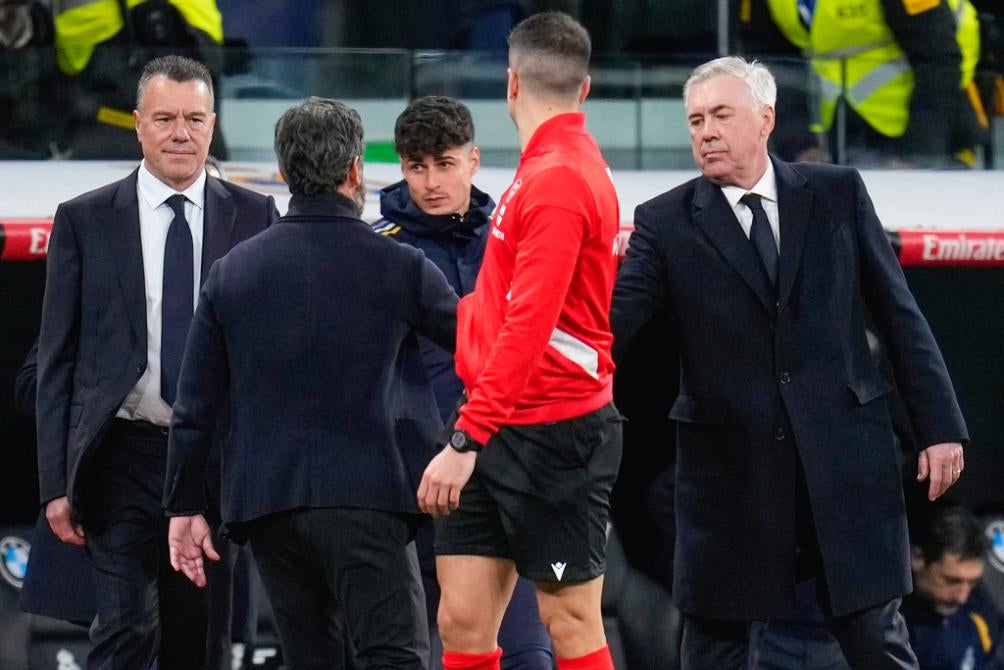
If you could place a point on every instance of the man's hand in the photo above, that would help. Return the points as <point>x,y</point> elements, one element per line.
<point>445,476</point>
<point>188,538</point>
<point>944,464</point>
<point>57,513</point>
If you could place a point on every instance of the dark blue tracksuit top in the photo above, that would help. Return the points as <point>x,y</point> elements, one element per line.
<point>456,245</point>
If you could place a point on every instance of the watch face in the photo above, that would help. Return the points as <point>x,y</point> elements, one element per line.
<point>458,440</point>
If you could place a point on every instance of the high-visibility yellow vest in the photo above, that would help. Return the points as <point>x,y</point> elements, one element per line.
<point>83,24</point>
<point>855,56</point>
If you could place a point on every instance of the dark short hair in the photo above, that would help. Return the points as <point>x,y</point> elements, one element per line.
<point>315,144</point>
<point>432,125</point>
<point>175,68</point>
<point>550,52</point>
<point>947,528</point>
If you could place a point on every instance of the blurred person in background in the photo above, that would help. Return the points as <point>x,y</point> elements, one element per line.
<point>437,209</point>
<point>990,76</point>
<point>756,35</point>
<point>102,45</point>
<point>952,624</point>
<point>902,69</point>
<point>33,94</point>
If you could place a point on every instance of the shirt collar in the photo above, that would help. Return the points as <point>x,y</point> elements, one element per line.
<point>325,205</point>
<point>766,188</point>
<point>155,192</point>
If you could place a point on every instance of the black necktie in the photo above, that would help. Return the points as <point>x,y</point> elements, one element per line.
<point>177,302</point>
<point>762,237</point>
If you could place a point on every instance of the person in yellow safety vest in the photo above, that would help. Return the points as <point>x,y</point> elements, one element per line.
<point>990,73</point>
<point>102,45</point>
<point>32,89</point>
<point>757,36</point>
<point>903,69</point>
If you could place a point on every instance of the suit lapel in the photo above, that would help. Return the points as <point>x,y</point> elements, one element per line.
<point>127,250</point>
<point>716,219</point>
<point>217,224</point>
<point>795,211</point>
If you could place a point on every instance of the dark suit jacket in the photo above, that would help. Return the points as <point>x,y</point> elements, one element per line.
<point>92,348</point>
<point>311,329</point>
<point>59,582</point>
<point>764,379</point>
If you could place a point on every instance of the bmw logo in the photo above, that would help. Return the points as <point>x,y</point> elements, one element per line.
<point>14,560</point>
<point>995,538</point>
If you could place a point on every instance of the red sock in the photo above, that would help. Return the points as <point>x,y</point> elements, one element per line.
<point>594,660</point>
<point>453,660</point>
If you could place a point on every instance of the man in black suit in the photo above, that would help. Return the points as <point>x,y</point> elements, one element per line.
<point>122,278</point>
<point>310,332</point>
<point>786,463</point>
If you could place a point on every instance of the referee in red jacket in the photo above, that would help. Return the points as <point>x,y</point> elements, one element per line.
<point>524,483</point>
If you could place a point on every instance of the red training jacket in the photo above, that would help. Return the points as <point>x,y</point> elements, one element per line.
<point>533,338</point>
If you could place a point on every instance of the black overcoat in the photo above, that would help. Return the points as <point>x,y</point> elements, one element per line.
<point>765,377</point>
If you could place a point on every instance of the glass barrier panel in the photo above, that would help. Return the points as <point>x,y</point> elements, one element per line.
<point>635,107</point>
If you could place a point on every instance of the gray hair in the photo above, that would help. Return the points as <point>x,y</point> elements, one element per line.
<point>759,81</point>
<point>175,68</point>
<point>316,142</point>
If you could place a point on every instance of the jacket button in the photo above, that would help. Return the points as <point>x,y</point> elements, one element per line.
<point>785,377</point>
<point>779,434</point>
<point>141,367</point>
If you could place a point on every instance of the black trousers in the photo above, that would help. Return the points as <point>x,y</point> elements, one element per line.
<point>146,610</point>
<point>803,641</point>
<point>322,567</point>
<point>873,639</point>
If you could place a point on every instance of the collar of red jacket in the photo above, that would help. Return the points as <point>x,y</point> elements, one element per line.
<point>554,127</point>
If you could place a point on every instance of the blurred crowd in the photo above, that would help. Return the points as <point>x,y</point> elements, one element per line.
<point>890,83</point>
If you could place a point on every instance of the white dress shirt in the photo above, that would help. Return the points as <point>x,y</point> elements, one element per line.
<point>155,217</point>
<point>766,188</point>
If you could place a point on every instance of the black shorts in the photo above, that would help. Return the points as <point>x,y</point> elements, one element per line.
<point>540,496</point>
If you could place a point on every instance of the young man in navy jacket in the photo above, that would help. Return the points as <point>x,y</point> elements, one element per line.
<point>437,209</point>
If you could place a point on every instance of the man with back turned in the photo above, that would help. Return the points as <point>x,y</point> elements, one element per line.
<point>309,335</point>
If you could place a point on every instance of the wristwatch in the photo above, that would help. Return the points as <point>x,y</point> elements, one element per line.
<point>462,442</point>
